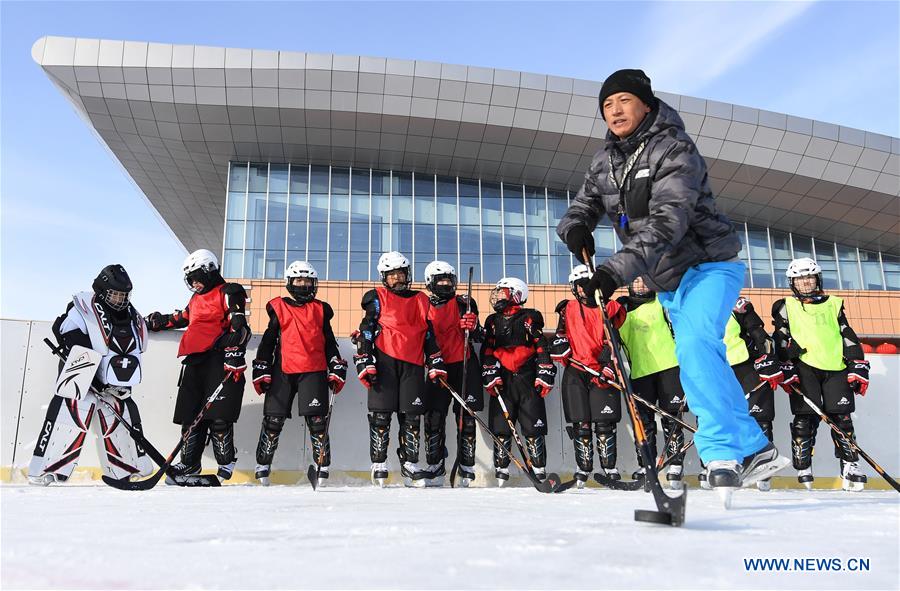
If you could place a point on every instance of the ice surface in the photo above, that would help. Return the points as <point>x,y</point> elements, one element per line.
<point>358,537</point>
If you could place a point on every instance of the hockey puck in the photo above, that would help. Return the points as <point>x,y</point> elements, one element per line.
<point>652,516</point>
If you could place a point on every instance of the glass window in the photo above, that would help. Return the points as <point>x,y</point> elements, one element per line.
<point>275,239</point>
<point>278,178</point>
<point>234,235</point>
<point>401,238</point>
<point>296,239</point>
<point>340,181</point>
<point>781,256</point>
<point>871,270</point>
<point>237,205</point>
<point>560,267</point>
<point>513,206</point>
<point>604,241</point>
<point>381,240</point>
<point>318,207</point>
<point>299,179</point>
<point>256,208</point>
<point>277,207</point>
<point>493,268</point>
<point>319,179</point>
<point>849,268</point>
<point>381,182</point>
<point>535,207</point>
<point>491,213</point>
<point>359,181</point>
<point>469,206</point>
<point>297,207</point>
<point>256,235</point>
<point>802,246</point>
<point>469,239</point>
<point>447,248</point>
<point>337,249</point>
<point>318,238</point>
<point>274,268</point>
<point>759,257</point>
<point>232,264</point>
<point>259,174</point>
<point>423,185</point>
<point>466,261</point>
<point>237,181</point>
<point>297,255</point>
<point>741,232</point>
<point>891,266</point>
<point>446,201</point>
<point>253,264</point>
<point>825,259</point>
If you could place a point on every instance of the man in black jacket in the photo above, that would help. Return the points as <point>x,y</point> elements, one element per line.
<point>651,181</point>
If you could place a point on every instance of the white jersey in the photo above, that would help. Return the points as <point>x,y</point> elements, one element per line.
<point>121,344</point>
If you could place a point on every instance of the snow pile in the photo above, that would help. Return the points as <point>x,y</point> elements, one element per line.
<point>359,537</point>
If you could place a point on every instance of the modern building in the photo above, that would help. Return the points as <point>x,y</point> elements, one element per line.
<point>273,156</point>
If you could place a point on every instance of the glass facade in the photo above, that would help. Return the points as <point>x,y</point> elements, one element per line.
<point>342,219</point>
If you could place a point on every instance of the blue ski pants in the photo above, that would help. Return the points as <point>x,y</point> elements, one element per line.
<point>699,310</point>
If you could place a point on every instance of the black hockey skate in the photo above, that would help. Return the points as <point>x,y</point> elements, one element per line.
<point>851,478</point>
<point>466,475</point>
<point>724,477</point>
<point>379,474</point>
<point>614,481</point>
<point>435,475</point>
<point>180,471</point>
<point>263,471</point>
<point>763,464</point>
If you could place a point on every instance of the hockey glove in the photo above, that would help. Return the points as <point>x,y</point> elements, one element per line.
<point>858,376</point>
<point>606,378</point>
<point>792,350</point>
<point>337,374</point>
<point>468,321</point>
<point>490,376</point>
<point>262,376</point>
<point>234,363</point>
<point>791,377</point>
<point>601,282</point>
<point>579,238</point>
<point>769,370</point>
<point>616,313</point>
<point>560,350</point>
<point>546,375</point>
<point>156,322</point>
<point>365,369</point>
<point>437,370</point>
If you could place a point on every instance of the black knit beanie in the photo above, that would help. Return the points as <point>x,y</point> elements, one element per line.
<point>633,81</point>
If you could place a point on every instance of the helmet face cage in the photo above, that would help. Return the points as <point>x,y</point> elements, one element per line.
<point>113,287</point>
<point>507,293</point>
<point>440,288</point>
<point>399,285</point>
<point>202,266</point>
<point>578,291</point>
<point>640,290</point>
<point>303,293</point>
<point>202,275</point>
<point>815,290</point>
<point>115,299</point>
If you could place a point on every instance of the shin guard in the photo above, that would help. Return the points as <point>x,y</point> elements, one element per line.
<point>379,436</point>
<point>674,434</point>
<point>502,455</point>
<point>842,449</point>
<point>606,444</point>
<point>435,437</point>
<point>584,446</point>
<point>268,439</point>
<point>318,437</point>
<point>803,440</point>
<point>537,450</point>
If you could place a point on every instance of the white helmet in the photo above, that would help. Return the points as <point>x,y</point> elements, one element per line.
<point>301,293</point>
<point>580,274</point>
<point>200,266</point>
<point>391,261</point>
<point>803,267</point>
<point>508,291</point>
<point>437,270</point>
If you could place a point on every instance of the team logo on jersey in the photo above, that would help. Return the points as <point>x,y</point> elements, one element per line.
<point>539,423</point>
<point>470,398</point>
<point>315,402</point>
<point>417,401</point>
<point>606,411</point>
<point>755,409</point>
<point>676,398</point>
<point>843,401</point>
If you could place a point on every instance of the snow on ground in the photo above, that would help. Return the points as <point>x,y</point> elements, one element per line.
<point>353,537</point>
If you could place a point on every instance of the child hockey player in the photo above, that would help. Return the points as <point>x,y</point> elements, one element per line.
<point>106,323</point>
<point>812,333</point>
<point>451,315</point>
<point>751,356</point>
<point>213,348</point>
<point>516,365</point>
<point>394,339</point>
<point>580,341</point>
<point>297,356</point>
<point>647,337</point>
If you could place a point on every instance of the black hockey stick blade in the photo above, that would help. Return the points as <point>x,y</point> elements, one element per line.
<point>671,509</point>
<point>312,473</point>
<point>564,486</point>
<point>608,482</point>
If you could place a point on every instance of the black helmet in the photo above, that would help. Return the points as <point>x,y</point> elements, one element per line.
<point>113,287</point>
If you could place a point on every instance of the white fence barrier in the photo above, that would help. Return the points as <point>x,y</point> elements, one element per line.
<point>29,372</point>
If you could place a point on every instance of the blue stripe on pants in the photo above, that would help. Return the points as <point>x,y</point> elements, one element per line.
<point>699,310</point>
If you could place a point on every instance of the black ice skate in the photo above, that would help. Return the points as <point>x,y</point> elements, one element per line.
<point>413,476</point>
<point>262,473</point>
<point>379,474</point>
<point>763,464</point>
<point>435,475</point>
<point>724,476</point>
<point>180,470</point>
<point>581,478</point>
<point>806,478</point>
<point>502,475</point>
<point>674,477</point>
<point>225,471</point>
<point>466,475</point>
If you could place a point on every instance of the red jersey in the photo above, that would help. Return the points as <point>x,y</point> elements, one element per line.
<point>302,341</point>
<point>207,321</point>
<point>450,337</point>
<point>585,332</point>
<point>403,322</point>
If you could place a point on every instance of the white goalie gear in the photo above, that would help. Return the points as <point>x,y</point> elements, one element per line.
<point>65,432</point>
<point>78,371</point>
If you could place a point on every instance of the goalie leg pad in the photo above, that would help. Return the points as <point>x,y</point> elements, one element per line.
<point>121,456</point>
<point>61,438</point>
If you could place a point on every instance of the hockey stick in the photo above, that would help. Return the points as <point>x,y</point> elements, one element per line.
<point>515,433</point>
<point>125,484</point>
<point>136,434</point>
<point>313,472</point>
<point>459,422</point>
<point>670,510</point>
<point>850,441</point>
<point>546,486</point>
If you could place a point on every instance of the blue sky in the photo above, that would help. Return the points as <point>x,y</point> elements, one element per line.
<point>67,208</point>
